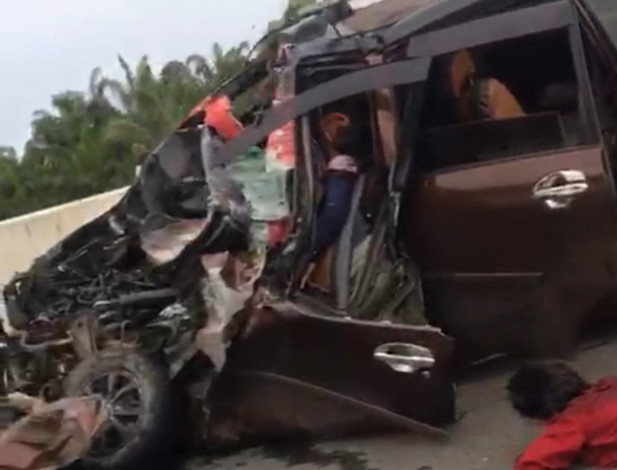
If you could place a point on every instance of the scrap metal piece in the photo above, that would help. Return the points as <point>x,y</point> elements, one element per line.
<point>82,332</point>
<point>22,402</point>
<point>53,435</point>
<point>229,286</point>
<point>166,243</point>
<point>5,323</point>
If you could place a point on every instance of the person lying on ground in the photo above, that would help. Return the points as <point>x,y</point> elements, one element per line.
<point>580,417</point>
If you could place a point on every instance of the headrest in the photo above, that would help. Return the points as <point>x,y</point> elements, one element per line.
<point>462,67</point>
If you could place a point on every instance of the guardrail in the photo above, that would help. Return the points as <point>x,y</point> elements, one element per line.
<point>25,237</point>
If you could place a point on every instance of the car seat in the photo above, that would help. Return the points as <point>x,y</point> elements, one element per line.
<point>353,232</point>
<point>562,97</point>
<point>332,269</point>
<point>479,98</point>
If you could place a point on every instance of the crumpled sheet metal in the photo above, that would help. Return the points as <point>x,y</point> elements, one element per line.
<point>167,243</point>
<point>52,435</point>
<point>229,285</point>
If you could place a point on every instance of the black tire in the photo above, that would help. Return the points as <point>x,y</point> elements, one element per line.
<point>151,437</point>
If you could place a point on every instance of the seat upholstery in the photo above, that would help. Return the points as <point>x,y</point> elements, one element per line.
<point>493,100</point>
<point>344,250</point>
<point>332,268</point>
<point>479,98</point>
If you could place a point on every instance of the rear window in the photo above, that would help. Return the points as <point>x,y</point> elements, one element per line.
<point>501,100</point>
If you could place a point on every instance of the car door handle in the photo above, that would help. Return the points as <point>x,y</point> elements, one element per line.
<point>404,357</point>
<point>558,189</point>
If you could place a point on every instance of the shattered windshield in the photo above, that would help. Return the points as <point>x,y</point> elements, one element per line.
<point>252,182</point>
<point>263,184</point>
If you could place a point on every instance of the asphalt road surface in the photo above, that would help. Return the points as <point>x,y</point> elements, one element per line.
<point>489,436</point>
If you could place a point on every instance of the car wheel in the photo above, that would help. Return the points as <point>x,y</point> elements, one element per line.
<point>136,393</point>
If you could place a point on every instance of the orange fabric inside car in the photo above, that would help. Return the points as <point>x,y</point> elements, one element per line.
<point>219,115</point>
<point>462,68</point>
<point>502,103</point>
<point>495,100</point>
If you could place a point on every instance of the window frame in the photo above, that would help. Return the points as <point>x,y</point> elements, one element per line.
<point>500,27</point>
<point>558,15</point>
<point>354,83</point>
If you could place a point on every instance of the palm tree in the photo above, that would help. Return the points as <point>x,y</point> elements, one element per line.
<point>222,65</point>
<point>56,132</point>
<point>142,116</point>
<point>152,106</point>
<point>200,68</point>
<point>84,143</point>
<point>295,9</point>
<point>227,64</point>
<point>8,153</point>
<point>12,189</point>
<point>64,158</point>
<point>292,13</point>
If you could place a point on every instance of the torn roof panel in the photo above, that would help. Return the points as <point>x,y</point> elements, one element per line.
<point>370,15</point>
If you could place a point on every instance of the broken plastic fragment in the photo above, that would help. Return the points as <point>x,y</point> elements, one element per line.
<point>229,285</point>
<point>52,435</point>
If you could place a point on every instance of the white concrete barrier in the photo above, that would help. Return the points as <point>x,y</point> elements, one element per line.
<point>25,237</point>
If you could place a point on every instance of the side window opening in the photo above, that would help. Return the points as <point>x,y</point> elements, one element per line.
<point>355,94</point>
<point>363,144</point>
<point>500,100</point>
<point>362,141</point>
<point>358,143</point>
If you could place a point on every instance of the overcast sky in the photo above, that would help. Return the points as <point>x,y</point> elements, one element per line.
<point>48,46</point>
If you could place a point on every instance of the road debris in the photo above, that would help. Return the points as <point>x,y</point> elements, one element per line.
<point>51,435</point>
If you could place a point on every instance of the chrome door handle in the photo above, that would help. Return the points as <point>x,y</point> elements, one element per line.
<point>558,189</point>
<point>404,357</point>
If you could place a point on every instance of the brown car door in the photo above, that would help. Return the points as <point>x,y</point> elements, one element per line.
<point>515,247</point>
<point>495,240</point>
<point>395,374</point>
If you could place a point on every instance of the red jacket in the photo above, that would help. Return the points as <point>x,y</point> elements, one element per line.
<point>585,432</point>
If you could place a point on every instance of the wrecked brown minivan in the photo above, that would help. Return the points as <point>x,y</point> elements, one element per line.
<point>482,223</point>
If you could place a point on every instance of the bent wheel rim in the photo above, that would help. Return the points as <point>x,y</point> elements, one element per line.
<point>123,402</point>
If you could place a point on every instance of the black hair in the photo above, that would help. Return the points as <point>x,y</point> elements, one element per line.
<point>349,141</point>
<point>356,139</point>
<point>540,391</point>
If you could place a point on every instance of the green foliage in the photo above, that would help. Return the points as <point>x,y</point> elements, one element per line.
<point>87,143</point>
